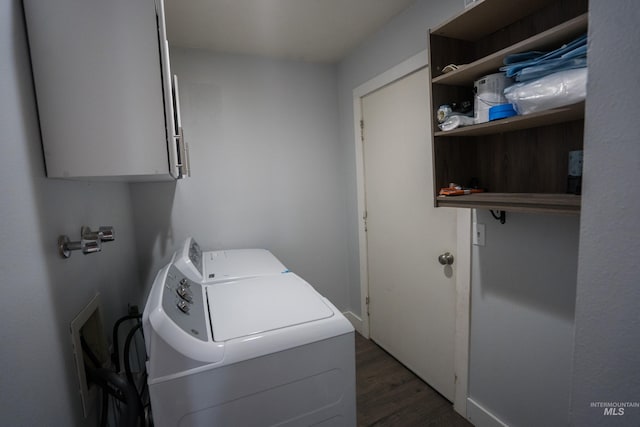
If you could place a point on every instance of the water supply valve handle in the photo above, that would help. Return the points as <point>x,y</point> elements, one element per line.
<point>106,233</point>
<point>90,241</point>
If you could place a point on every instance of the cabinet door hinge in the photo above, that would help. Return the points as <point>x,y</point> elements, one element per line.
<point>366,301</point>
<point>362,130</point>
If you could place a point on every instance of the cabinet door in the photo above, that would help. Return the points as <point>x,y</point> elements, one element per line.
<point>97,74</point>
<point>175,148</point>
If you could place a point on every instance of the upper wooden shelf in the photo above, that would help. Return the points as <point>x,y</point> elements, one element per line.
<point>529,121</point>
<point>566,204</point>
<point>466,74</point>
<point>520,160</point>
<point>486,17</point>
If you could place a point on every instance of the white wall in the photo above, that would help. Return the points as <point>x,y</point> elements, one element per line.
<point>403,37</point>
<point>266,168</point>
<point>607,333</point>
<point>42,293</point>
<point>522,306</point>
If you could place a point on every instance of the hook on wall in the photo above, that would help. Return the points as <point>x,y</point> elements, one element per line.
<point>500,216</point>
<point>90,241</point>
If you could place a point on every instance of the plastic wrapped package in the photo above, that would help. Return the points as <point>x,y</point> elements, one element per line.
<point>552,91</point>
<point>455,121</point>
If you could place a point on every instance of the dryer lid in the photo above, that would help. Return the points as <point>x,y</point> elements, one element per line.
<point>240,263</point>
<point>259,305</point>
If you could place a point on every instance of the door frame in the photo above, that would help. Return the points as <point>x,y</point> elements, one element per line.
<point>463,237</point>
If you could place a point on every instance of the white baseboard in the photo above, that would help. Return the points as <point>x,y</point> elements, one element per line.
<point>480,417</point>
<point>355,320</point>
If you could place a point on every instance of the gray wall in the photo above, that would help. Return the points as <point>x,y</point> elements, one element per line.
<point>266,168</point>
<point>522,306</point>
<point>607,333</point>
<point>285,112</point>
<point>403,37</point>
<point>42,293</point>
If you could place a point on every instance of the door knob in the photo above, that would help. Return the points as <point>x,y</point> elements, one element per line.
<point>446,259</point>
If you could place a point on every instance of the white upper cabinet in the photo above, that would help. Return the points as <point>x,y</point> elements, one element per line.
<point>104,89</point>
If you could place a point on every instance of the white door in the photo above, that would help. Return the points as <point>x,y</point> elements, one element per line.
<point>411,295</point>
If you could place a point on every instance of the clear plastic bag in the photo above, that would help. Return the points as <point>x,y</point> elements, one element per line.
<point>552,91</point>
<point>455,121</point>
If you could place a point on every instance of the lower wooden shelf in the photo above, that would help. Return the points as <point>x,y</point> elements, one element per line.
<point>565,204</point>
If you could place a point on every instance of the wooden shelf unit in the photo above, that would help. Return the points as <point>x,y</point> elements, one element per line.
<point>568,204</point>
<point>522,161</point>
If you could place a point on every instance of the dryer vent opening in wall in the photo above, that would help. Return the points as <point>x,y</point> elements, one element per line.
<point>87,329</point>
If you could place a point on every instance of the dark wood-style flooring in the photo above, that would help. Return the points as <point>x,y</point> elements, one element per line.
<point>388,394</point>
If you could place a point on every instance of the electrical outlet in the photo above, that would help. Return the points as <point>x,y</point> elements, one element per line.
<point>478,234</point>
<point>132,310</point>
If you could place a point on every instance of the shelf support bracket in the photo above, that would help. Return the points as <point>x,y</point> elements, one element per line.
<point>500,216</point>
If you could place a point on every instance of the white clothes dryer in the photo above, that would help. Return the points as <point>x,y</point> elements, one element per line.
<point>257,351</point>
<point>226,265</point>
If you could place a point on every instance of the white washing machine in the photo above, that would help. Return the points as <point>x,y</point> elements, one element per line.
<point>258,351</point>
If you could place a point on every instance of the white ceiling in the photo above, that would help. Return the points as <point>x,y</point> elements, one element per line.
<point>310,30</point>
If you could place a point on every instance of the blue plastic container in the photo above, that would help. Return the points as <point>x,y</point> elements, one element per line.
<point>501,112</point>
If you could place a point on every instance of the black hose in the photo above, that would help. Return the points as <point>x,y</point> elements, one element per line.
<point>127,348</point>
<point>107,379</point>
<point>115,357</point>
<point>91,373</point>
<point>127,365</point>
<point>111,383</point>
<point>105,408</point>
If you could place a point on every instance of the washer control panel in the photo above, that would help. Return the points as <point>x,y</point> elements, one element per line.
<point>195,255</point>
<point>183,302</point>
<point>189,260</point>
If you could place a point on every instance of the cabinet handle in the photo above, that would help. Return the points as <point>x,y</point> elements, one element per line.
<point>183,149</point>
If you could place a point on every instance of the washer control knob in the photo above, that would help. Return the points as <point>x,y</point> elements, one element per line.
<point>184,282</point>
<point>183,306</point>
<point>184,293</point>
